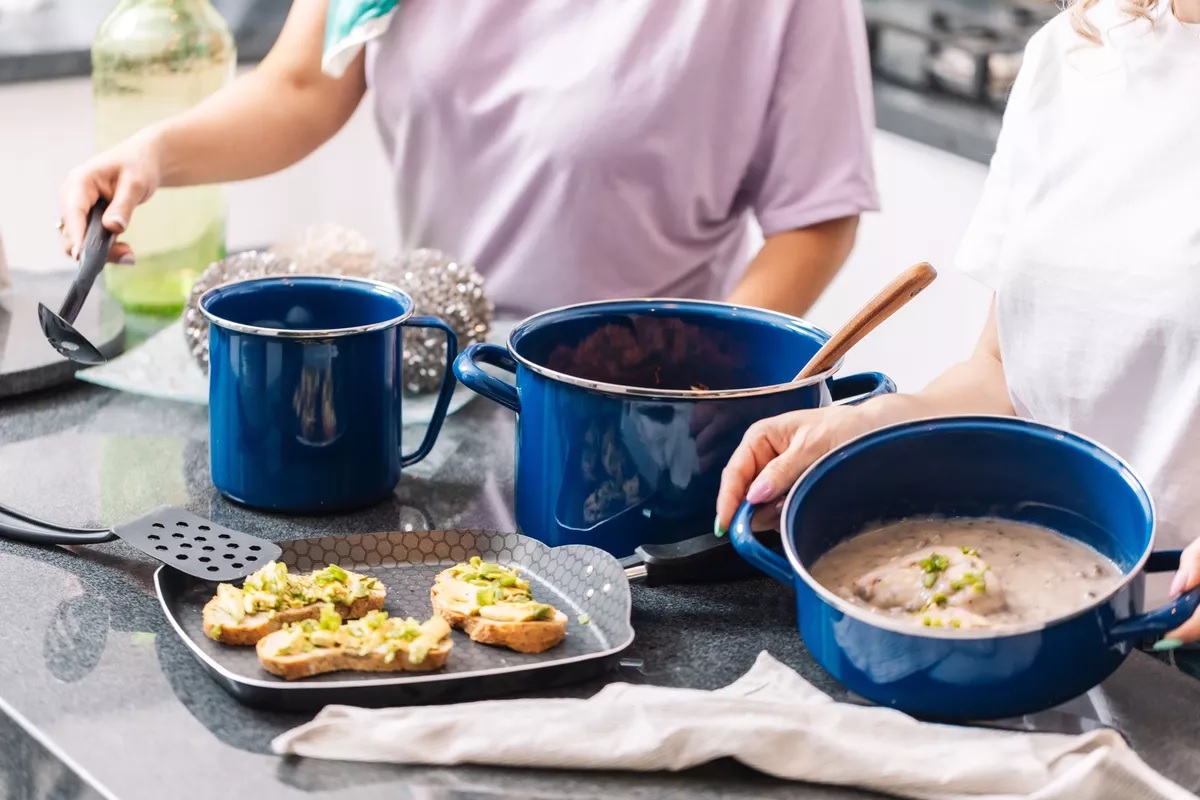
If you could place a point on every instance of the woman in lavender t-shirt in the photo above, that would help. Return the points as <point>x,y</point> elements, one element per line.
<point>571,149</point>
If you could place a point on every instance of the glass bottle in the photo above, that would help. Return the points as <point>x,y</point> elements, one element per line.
<point>153,59</point>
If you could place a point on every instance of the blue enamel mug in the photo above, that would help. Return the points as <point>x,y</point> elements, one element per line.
<point>971,467</point>
<point>305,391</point>
<point>629,410</point>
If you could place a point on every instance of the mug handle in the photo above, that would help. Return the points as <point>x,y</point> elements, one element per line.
<point>444,393</point>
<point>750,548</point>
<point>854,389</point>
<point>466,367</point>
<point>1163,619</point>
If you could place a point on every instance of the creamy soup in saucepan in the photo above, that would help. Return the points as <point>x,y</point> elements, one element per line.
<point>966,573</point>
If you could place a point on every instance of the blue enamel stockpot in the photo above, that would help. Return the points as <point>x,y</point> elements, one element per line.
<point>970,467</point>
<point>305,391</point>
<point>614,447</point>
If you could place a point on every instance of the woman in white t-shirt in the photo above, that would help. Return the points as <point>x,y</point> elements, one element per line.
<point>1088,232</point>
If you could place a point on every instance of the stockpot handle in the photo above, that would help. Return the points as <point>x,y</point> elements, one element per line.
<point>854,389</point>
<point>467,368</point>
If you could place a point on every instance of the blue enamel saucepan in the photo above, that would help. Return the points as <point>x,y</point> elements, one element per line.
<point>970,467</point>
<point>629,410</point>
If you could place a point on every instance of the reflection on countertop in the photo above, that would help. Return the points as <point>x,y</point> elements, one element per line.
<point>95,673</point>
<point>53,38</point>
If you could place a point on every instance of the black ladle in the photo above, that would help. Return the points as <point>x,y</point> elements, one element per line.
<point>59,328</point>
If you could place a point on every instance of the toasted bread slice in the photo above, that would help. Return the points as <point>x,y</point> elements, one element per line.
<point>272,597</point>
<point>374,644</point>
<point>304,665</point>
<point>500,622</point>
<point>254,627</point>
<point>530,636</point>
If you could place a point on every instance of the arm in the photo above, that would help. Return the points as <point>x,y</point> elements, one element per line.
<point>974,386</point>
<point>261,123</point>
<point>793,268</point>
<point>776,451</point>
<point>266,120</point>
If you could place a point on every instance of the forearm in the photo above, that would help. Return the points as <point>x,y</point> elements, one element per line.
<point>793,268</point>
<point>266,120</point>
<point>975,386</point>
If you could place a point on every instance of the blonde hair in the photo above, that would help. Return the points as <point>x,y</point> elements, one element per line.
<point>1135,9</point>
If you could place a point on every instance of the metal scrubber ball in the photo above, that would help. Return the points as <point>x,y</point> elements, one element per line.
<point>445,288</point>
<point>439,285</point>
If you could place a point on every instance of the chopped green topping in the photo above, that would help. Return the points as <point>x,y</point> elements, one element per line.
<point>969,551</point>
<point>933,566</point>
<point>955,623</point>
<point>330,619</point>
<point>330,574</point>
<point>935,563</point>
<point>939,599</point>
<point>927,622</point>
<point>215,633</point>
<point>584,619</point>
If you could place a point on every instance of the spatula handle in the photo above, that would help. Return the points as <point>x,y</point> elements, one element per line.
<point>93,255</point>
<point>891,299</point>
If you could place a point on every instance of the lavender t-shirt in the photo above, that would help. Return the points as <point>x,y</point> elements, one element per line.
<point>579,150</point>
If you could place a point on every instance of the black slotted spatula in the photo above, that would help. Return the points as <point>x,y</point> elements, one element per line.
<point>178,538</point>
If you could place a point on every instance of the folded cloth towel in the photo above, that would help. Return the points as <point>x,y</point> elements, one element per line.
<point>349,25</point>
<point>770,719</point>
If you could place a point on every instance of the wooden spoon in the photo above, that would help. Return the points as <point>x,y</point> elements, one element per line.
<point>891,299</point>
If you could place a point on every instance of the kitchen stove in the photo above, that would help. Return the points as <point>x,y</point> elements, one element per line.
<point>943,69</point>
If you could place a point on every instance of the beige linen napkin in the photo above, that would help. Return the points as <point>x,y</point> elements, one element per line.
<point>770,719</point>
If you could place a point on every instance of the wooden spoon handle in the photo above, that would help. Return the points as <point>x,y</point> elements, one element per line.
<point>891,299</point>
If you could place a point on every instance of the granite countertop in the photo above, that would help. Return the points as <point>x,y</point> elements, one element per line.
<point>103,701</point>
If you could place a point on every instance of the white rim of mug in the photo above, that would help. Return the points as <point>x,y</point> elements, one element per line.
<point>291,333</point>
<point>963,634</point>
<point>668,394</point>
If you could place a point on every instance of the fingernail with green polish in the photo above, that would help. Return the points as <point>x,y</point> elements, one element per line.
<point>1167,644</point>
<point>718,531</point>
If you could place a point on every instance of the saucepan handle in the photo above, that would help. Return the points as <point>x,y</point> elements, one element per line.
<point>752,550</point>
<point>696,560</point>
<point>854,389</point>
<point>444,394</point>
<point>467,368</point>
<point>1160,620</point>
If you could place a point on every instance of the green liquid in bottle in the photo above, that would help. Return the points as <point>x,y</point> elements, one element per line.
<point>152,59</point>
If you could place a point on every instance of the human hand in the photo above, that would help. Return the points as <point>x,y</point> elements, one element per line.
<point>1186,577</point>
<point>128,174</point>
<point>775,452</point>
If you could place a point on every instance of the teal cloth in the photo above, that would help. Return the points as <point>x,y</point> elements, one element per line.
<point>349,25</point>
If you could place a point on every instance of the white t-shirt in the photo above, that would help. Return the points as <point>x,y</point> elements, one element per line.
<point>1089,232</point>
<point>580,150</point>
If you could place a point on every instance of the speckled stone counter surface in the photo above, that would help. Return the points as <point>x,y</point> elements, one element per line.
<point>103,701</point>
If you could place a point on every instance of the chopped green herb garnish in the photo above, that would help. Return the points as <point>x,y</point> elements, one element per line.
<point>935,563</point>
<point>584,619</point>
<point>939,599</point>
<point>927,622</point>
<point>955,623</point>
<point>970,551</point>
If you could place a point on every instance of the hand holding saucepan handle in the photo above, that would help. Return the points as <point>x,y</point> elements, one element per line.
<point>1186,582</point>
